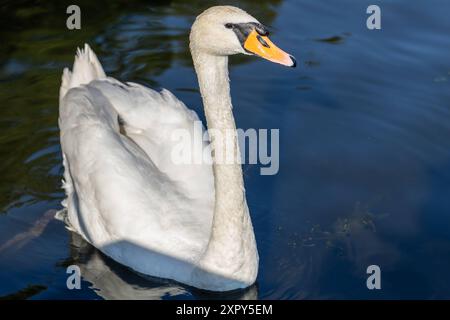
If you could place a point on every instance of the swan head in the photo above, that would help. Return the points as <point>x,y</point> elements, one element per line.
<point>227,30</point>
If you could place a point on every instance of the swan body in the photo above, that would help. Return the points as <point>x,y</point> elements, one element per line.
<point>125,195</point>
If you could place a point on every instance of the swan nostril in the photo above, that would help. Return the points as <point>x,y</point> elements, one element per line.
<point>262,41</point>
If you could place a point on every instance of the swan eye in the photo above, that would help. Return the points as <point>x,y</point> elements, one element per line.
<point>229,25</point>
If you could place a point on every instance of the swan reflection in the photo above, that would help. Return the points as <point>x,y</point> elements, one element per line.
<point>113,281</point>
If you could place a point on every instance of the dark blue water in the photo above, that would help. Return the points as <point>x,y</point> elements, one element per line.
<point>364,144</point>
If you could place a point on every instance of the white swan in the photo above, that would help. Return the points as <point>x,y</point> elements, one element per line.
<point>125,195</point>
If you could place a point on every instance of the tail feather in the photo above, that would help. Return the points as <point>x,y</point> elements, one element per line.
<point>86,68</point>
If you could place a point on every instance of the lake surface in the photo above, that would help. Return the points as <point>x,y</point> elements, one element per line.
<point>364,144</point>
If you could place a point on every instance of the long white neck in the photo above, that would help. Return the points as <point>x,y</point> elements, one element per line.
<point>231,252</point>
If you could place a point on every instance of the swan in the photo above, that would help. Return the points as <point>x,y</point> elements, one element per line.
<point>124,195</point>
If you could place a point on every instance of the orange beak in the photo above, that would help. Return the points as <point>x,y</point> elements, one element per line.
<point>263,47</point>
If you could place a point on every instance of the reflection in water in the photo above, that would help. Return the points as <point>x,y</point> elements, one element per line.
<point>346,247</point>
<point>111,280</point>
<point>25,293</point>
<point>21,239</point>
<point>334,39</point>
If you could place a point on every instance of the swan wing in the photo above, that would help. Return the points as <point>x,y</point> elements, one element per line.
<point>119,198</point>
<point>170,134</point>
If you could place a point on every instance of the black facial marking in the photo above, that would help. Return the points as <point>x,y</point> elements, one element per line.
<point>242,31</point>
<point>262,30</point>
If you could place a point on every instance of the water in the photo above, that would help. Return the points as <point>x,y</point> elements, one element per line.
<point>364,157</point>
